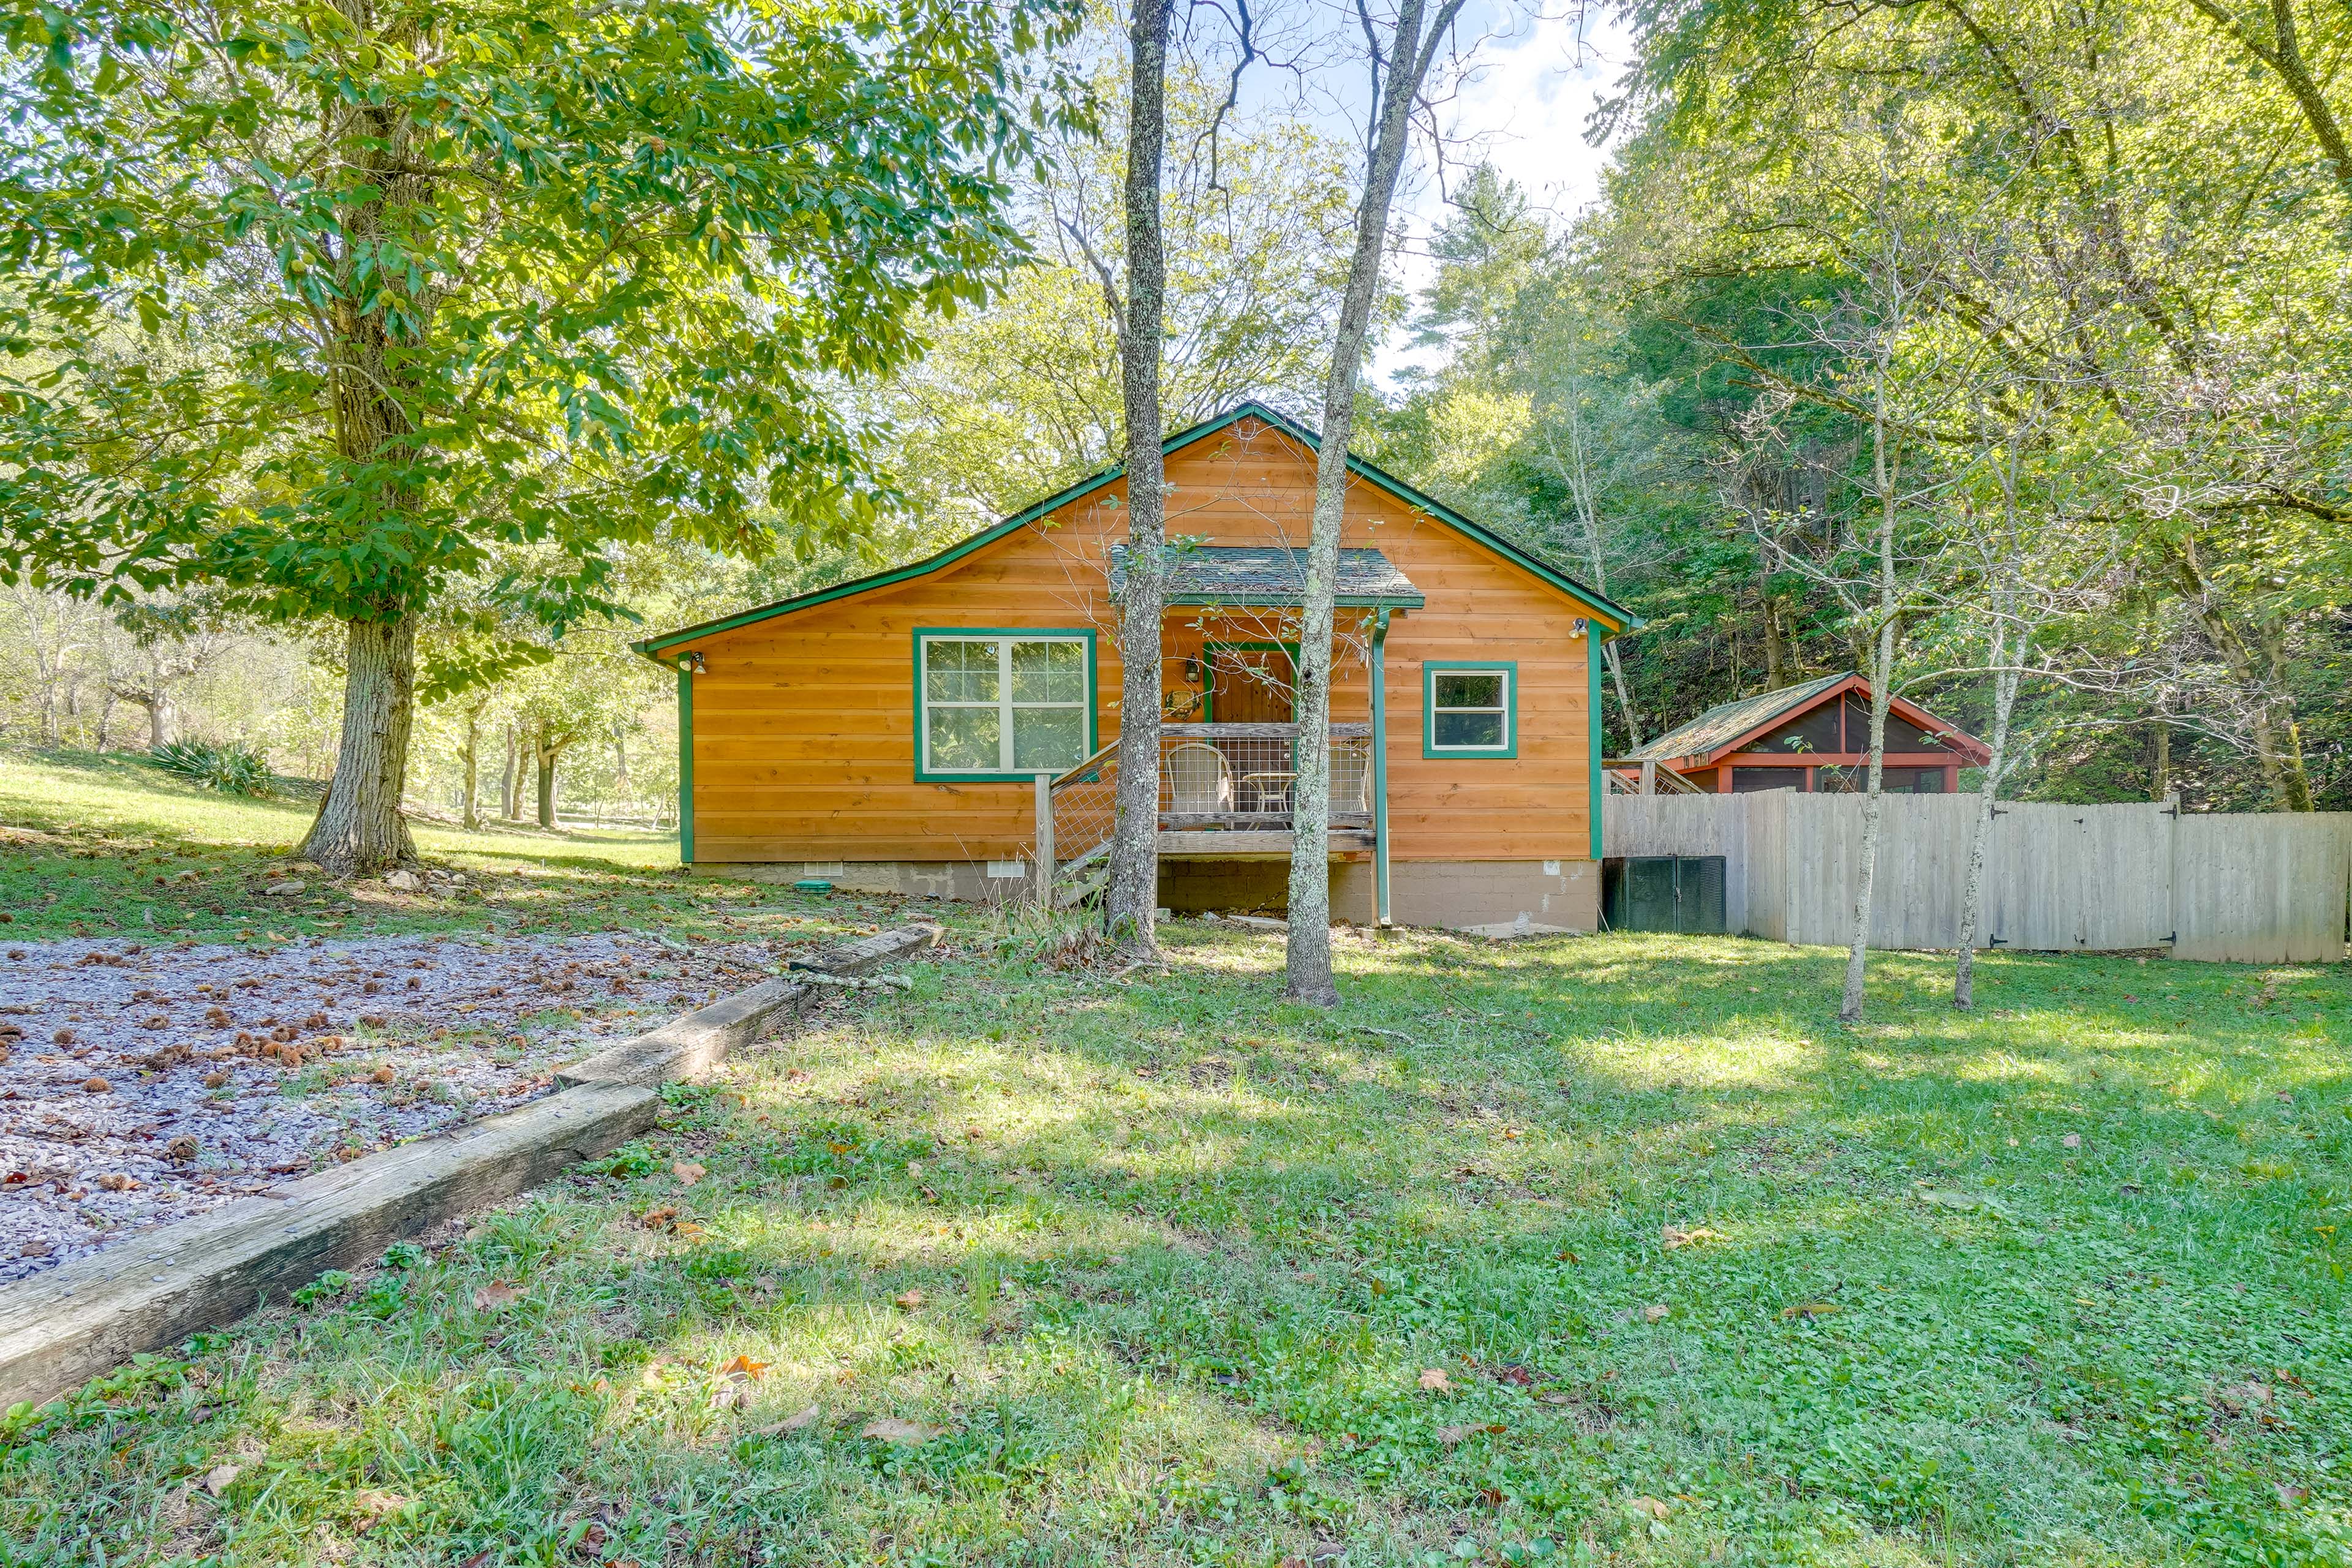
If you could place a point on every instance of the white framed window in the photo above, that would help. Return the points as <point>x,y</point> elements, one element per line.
<point>1469,709</point>
<point>1002,703</point>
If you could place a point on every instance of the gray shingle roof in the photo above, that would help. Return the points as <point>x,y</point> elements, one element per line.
<point>1273,574</point>
<point>1727,722</point>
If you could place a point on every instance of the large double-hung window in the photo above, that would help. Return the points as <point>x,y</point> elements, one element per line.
<point>1002,704</point>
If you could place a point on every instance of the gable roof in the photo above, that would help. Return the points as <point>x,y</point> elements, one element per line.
<point>1477,533</point>
<point>1727,726</point>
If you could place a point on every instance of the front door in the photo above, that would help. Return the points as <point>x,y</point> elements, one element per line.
<point>1252,685</point>
<point>1256,685</point>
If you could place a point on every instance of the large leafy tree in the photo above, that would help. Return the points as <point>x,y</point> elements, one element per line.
<point>336,305</point>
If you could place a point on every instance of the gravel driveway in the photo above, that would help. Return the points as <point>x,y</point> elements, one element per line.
<point>141,1084</point>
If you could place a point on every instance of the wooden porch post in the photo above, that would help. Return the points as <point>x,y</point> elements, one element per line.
<point>1045,867</point>
<point>1380,767</point>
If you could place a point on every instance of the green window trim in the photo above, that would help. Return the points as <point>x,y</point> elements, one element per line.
<point>1434,668</point>
<point>923,636</point>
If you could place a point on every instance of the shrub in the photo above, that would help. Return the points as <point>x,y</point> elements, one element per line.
<point>231,767</point>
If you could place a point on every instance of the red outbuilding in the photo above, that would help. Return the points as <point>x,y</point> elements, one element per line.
<point>1813,736</point>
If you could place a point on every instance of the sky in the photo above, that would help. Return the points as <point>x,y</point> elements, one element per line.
<point>1524,107</point>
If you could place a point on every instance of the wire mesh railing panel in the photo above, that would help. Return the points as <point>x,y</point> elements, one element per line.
<point>1232,777</point>
<point>1245,776</point>
<point>1085,801</point>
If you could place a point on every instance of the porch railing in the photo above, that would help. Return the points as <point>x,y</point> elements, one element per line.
<point>1213,777</point>
<point>1245,775</point>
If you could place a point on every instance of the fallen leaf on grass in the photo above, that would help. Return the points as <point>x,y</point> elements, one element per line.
<point>375,1507</point>
<point>1652,1313</point>
<point>1675,1235</point>
<point>654,1219</point>
<point>1650,1506</point>
<point>1449,1435</point>
<point>1434,1380</point>
<point>2071,1140</point>
<point>217,1479</point>
<point>798,1421</point>
<point>687,1173</point>
<point>496,1296</point>
<point>890,1429</point>
<point>735,1381</point>
<point>1808,1310</point>
<point>910,1300</point>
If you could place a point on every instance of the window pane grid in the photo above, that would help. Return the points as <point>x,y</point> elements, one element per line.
<point>1003,704</point>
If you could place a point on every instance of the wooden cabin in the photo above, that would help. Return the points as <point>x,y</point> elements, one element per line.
<point>949,727</point>
<point>1815,737</point>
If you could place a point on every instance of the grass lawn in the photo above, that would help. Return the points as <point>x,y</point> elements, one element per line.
<point>103,845</point>
<point>1612,1250</point>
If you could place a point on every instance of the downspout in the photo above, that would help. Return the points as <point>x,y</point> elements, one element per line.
<point>686,760</point>
<point>1593,701</point>
<point>1381,765</point>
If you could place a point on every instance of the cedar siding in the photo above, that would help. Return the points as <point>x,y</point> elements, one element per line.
<point>803,726</point>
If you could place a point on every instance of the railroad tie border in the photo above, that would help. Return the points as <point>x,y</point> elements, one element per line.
<point>61,1328</point>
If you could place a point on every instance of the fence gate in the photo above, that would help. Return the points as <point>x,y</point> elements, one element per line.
<point>2079,879</point>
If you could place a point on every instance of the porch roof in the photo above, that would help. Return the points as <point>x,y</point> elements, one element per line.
<point>1273,575</point>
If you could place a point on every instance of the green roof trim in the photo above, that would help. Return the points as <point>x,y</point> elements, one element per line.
<point>1628,621</point>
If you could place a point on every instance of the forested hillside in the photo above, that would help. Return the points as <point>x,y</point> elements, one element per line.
<point>2056,303</point>
<point>2085,270</point>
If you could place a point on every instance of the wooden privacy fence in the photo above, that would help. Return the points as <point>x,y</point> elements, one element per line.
<point>2251,889</point>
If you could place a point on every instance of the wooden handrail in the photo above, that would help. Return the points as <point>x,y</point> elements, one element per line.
<point>1211,732</point>
<point>1257,732</point>
<point>1106,749</point>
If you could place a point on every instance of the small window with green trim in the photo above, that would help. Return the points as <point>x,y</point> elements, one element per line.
<point>1469,709</point>
<point>993,704</point>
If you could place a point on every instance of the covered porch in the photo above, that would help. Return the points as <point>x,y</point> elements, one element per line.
<point>1229,745</point>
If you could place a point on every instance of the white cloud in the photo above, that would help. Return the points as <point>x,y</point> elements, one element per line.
<point>1523,109</point>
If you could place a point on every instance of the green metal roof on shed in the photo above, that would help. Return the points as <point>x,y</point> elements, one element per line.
<point>1599,603</point>
<point>1725,723</point>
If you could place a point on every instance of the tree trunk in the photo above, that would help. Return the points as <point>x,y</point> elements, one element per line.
<point>1307,956</point>
<point>621,758</point>
<point>369,357</point>
<point>1133,893</point>
<point>470,759</point>
<point>509,806</point>
<point>159,719</point>
<point>360,829</point>
<point>106,701</point>
<point>2160,759</point>
<point>1776,674</point>
<point>1881,682</point>
<point>2004,701</point>
<point>548,751</point>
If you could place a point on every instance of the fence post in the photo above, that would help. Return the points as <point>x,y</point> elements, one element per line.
<point>1045,868</point>
<point>1790,862</point>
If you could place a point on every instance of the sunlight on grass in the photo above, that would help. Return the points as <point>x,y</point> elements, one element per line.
<point>1615,1249</point>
